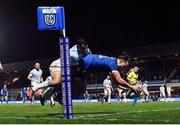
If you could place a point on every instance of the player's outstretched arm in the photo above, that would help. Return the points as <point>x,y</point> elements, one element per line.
<point>121,81</point>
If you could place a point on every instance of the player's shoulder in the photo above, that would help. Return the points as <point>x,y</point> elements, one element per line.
<point>73,47</point>
<point>105,80</point>
<point>32,71</point>
<point>55,62</point>
<point>40,70</point>
<point>115,71</point>
<point>131,73</point>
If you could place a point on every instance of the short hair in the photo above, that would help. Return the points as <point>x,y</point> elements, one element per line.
<point>81,41</point>
<point>125,56</point>
<point>136,68</point>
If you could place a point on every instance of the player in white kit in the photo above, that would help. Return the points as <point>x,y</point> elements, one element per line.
<point>168,89</point>
<point>145,92</point>
<point>35,76</point>
<point>107,89</point>
<point>162,93</point>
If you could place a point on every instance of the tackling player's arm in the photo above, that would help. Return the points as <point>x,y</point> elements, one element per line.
<point>121,81</point>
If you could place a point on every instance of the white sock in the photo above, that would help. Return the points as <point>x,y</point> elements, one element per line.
<point>42,85</point>
<point>125,100</point>
<point>52,100</point>
<point>109,99</point>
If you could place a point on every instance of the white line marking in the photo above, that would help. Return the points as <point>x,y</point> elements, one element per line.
<point>124,112</point>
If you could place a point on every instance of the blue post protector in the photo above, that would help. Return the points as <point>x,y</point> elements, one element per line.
<point>66,77</point>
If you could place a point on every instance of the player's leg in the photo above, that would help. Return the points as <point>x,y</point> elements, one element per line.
<point>146,96</point>
<point>2,99</point>
<point>52,103</point>
<point>57,97</point>
<point>6,98</point>
<point>31,96</point>
<point>42,100</point>
<point>168,96</point>
<point>56,79</point>
<point>57,94</point>
<point>124,97</point>
<point>160,96</point>
<point>105,95</point>
<point>39,91</point>
<point>136,95</point>
<point>89,98</point>
<point>86,99</point>
<point>164,96</point>
<point>23,99</point>
<point>119,94</point>
<point>109,95</point>
<point>32,99</point>
<point>143,95</point>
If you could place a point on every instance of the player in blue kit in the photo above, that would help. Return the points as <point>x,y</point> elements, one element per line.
<point>4,94</point>
<point>24,94</point>
<point>115,65</point>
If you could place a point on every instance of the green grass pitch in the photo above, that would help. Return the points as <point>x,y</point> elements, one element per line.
<point>91,113</point>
